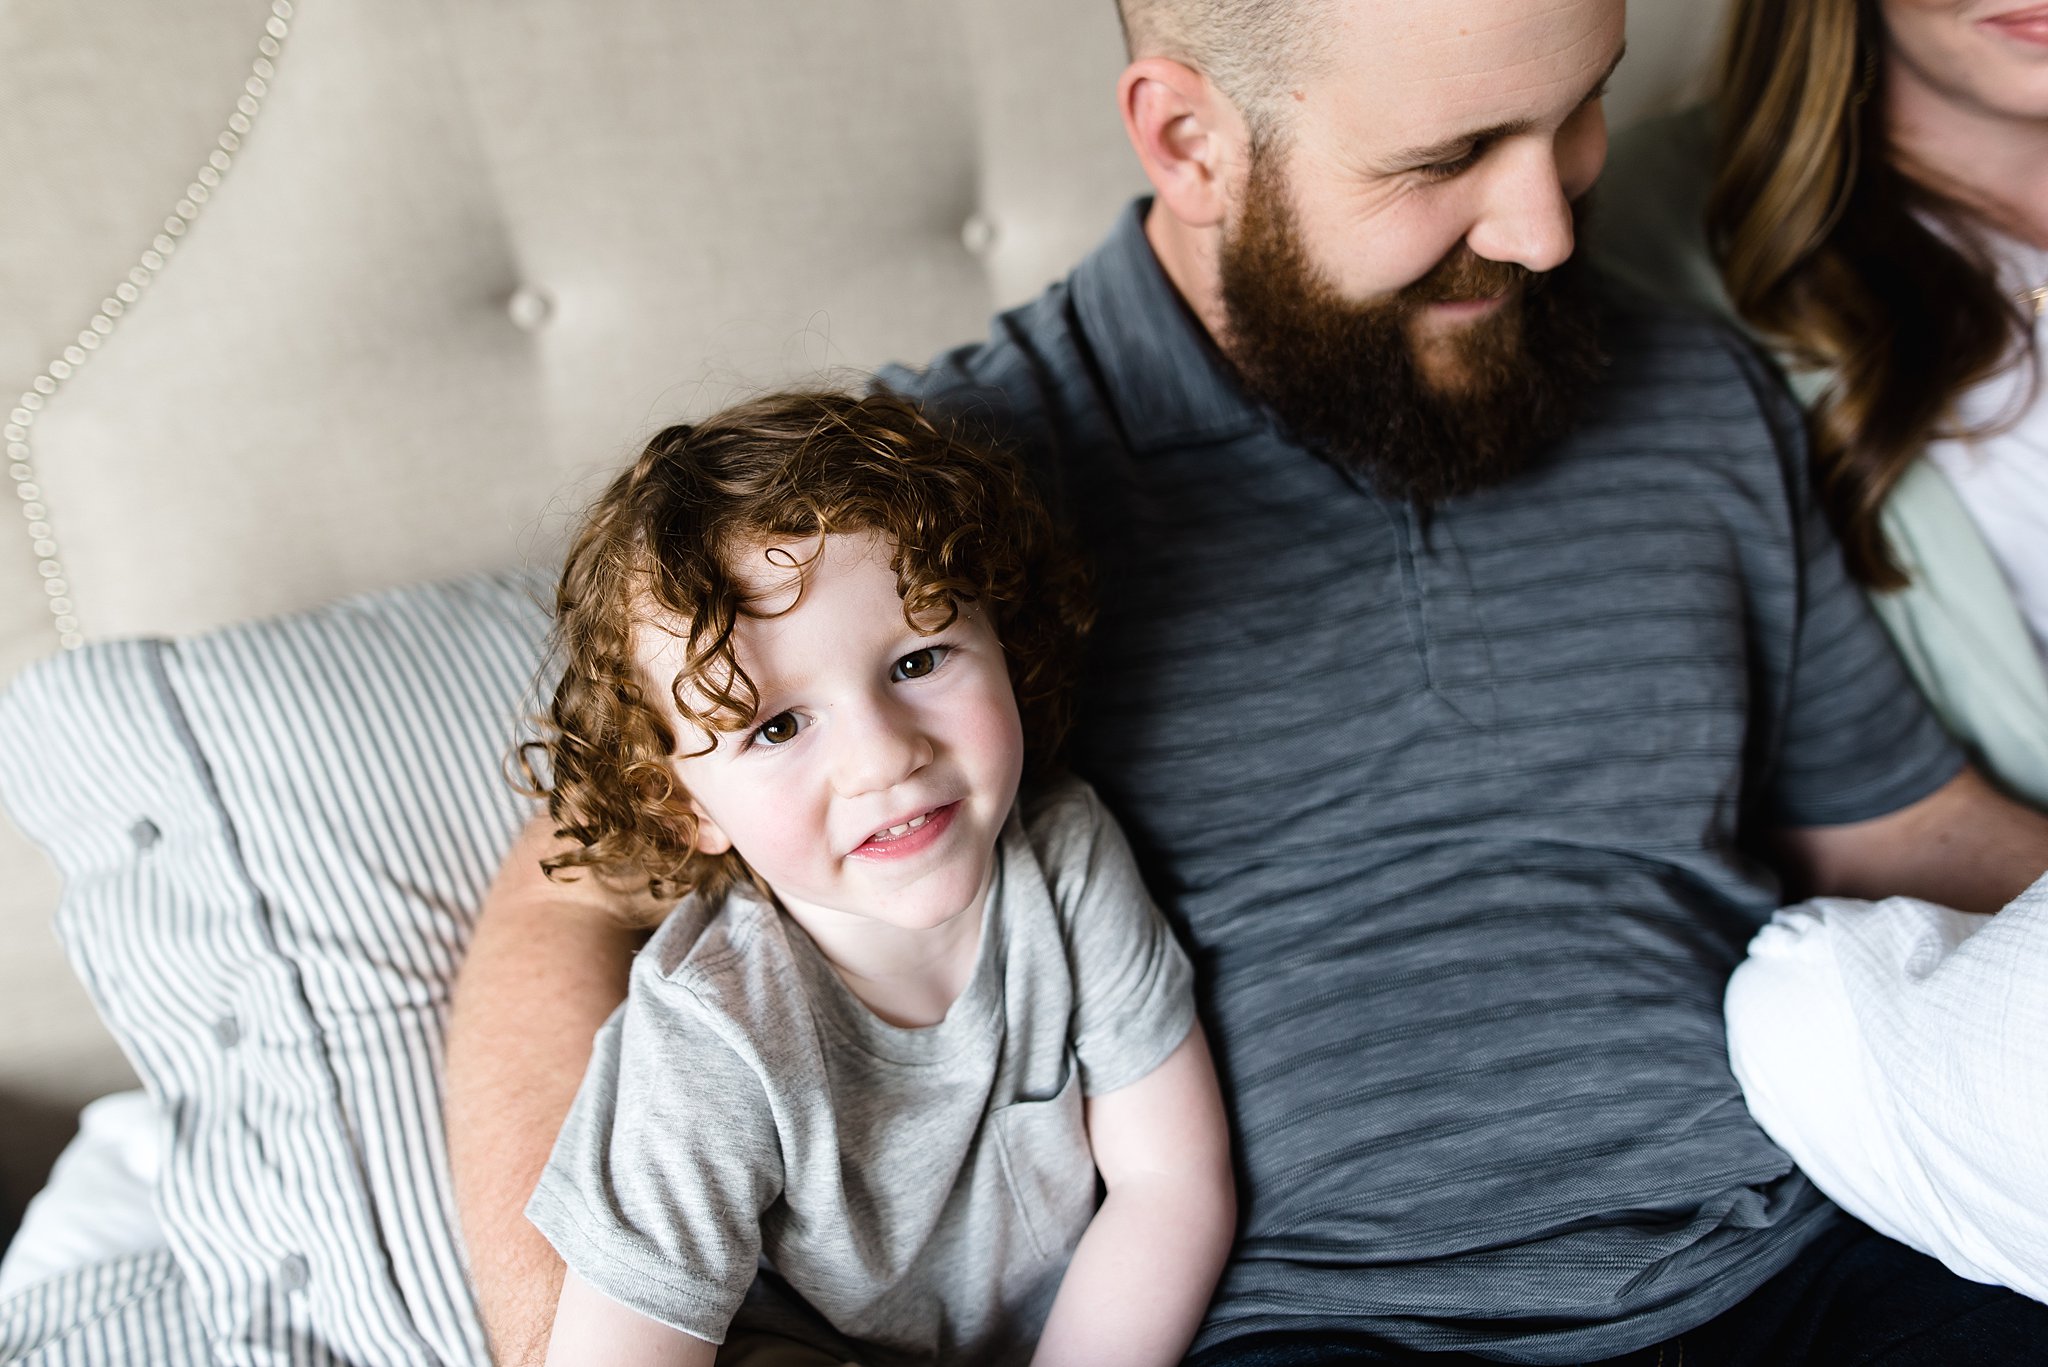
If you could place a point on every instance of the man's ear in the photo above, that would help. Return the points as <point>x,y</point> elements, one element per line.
<point>1189,137</point>
<point>711,837</point>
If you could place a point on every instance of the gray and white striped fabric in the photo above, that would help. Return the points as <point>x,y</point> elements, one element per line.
<point>274,839</point>
<point>130,1310</point>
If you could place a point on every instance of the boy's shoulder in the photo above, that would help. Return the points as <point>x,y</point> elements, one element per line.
<point>1079,848</point>
<point>1059,811</point>
<point>698,933</point>
<point>725,959</point>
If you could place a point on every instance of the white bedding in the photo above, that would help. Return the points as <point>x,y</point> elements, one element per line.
<point>89,1280</point>
<point>99,1203</point>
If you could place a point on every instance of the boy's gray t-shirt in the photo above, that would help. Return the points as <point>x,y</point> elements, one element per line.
<point>921,1189</point>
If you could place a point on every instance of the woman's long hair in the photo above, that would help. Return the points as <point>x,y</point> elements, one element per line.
<point>1823,237</point>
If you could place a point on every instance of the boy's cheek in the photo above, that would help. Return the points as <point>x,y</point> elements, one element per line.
<point>778,839</point>
<point>999,733</point>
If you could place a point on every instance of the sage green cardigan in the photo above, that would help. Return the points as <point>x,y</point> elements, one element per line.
<point>1956,624</point>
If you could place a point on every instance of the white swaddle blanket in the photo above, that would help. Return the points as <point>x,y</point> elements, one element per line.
<point>1898,1051</point>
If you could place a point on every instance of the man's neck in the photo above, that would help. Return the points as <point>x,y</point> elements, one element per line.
<point>1190,258</point>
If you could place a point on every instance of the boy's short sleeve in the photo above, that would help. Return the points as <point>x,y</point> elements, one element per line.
<point>1133,985</point>
<point>668,1159</point>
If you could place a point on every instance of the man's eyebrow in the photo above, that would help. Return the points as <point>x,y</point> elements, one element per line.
<point>1449,149</point>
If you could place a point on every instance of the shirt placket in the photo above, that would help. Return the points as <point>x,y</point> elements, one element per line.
<point>1442,606</point>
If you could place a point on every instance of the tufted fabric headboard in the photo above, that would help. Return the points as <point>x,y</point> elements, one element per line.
<point>300,298</point>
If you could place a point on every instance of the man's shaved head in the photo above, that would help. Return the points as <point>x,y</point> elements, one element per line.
<point>1251,49</point>
<point>1368,202</point>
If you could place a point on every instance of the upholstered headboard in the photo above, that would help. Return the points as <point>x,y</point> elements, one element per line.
<point>301,298</point>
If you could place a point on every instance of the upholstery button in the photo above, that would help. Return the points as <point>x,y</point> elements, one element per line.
<point>294,1272</point>
<point>227,1032</point>
<point>144,833</point>
<point>978,234</point>
<point>529,309</point>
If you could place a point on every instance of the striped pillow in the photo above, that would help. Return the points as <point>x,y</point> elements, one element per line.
<point>274,839</point>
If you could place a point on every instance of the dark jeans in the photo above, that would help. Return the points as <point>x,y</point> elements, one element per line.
<point>1852,1297</point>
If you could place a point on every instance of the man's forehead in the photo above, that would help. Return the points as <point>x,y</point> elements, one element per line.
<point>1401,71</point>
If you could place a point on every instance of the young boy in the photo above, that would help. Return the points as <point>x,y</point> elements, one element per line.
<point>867,1071</point>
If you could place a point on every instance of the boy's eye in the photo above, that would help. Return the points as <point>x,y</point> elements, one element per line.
<point>918,663</point>
<point>778,729</point>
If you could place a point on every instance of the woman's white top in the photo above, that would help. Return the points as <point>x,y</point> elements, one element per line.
<point>1894,1050</point>
<point>2002,477</point>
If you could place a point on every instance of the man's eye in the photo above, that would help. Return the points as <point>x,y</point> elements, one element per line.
<point>918,663</point>
<point>1445,170</point>
<point>778,729</point>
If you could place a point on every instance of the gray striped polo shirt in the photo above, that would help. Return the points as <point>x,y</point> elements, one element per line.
<point>1459,819</point>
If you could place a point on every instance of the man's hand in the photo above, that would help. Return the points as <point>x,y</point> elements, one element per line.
<point>1141,1279</point>
<point>1964,845</point>
<point>546,966</point>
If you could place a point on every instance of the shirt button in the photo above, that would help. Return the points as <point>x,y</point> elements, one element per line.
<point>294,1272</point>
<point>227,1032</point>
<point>144,833</point>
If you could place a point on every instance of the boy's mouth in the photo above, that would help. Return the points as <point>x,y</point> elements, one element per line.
<point>908,836</point>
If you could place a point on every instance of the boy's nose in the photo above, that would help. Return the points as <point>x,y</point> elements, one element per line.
<point>879,746</point>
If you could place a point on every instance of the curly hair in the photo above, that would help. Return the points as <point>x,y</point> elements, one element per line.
<point>655,551</point>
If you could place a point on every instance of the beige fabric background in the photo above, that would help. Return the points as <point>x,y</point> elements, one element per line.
<point>470,250</point>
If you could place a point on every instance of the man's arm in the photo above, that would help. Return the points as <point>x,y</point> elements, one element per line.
<point>546,966</point>
<point>1965,845</point>
<point>1141,1279</point>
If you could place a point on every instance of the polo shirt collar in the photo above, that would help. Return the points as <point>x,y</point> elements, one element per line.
<point>1167,381</point>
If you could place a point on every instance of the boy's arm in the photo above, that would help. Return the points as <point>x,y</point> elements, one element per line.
<point>546,966</point>
<point>592,1327</point>
<point>1141,1279</point>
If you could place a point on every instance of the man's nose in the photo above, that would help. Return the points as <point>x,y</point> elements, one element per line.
<point>878,743</point>
<point>1527,218</point>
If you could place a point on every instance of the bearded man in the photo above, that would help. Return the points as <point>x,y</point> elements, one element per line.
<point>1469,639</point>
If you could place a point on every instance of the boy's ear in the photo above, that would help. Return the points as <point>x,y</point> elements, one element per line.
<point>711,837</point>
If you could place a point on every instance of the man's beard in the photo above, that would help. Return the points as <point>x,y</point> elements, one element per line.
<point>1350,379</point>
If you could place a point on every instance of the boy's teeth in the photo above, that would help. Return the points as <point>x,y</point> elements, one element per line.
<point>909,825</point>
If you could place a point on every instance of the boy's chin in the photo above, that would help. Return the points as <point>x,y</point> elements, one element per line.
<point>921,901</point>
<point>930,907</point>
